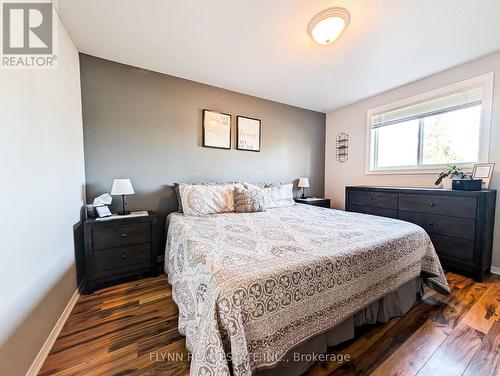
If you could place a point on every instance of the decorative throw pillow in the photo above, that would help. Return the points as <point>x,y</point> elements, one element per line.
<point>178,194</point>
<point>207,199</point>
<point>248,200</point>
<point>278,197</point>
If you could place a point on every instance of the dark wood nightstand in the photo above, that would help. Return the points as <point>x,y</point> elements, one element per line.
<point>120,248</point>
<point>323,202</point>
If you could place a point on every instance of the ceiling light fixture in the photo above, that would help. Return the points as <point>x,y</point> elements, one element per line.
<point>327,25</point>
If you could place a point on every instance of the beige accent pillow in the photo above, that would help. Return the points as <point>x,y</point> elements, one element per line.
<point>278,197</point>
<point>207,199</point>
<point>249,200</point>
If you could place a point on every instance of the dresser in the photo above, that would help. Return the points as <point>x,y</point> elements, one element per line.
<point>120,248</point>
<point>459,223</point>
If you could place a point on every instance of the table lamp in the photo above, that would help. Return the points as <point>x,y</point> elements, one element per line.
<point>303,183</point>
<point>122,187</point>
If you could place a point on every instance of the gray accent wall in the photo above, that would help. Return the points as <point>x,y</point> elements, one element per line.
<point>146,126</point>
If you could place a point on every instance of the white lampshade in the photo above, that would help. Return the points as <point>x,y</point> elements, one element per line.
<point>122,187</point>
<point>303,183</point>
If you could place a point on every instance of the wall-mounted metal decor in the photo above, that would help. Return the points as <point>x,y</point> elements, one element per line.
<point>342,147</point>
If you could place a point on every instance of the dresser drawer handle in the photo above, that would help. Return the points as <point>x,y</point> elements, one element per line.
<point>124,255</point>
<point>431,204</point>
<point>431,223</point>
<point>124,235</point>
<point>370,198</point>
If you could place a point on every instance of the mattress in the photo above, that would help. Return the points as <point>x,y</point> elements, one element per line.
<point>250,287</point>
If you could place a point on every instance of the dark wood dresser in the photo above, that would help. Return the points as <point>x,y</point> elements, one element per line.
<point>459,223</point>
<point>120,248</point>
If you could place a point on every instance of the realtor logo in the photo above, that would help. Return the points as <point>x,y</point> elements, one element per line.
<point>27,35</point>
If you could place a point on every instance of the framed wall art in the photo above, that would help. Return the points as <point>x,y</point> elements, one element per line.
<point>216,130</point>
<point>248,133</point>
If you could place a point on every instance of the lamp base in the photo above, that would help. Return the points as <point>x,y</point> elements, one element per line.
<point>123,213</point>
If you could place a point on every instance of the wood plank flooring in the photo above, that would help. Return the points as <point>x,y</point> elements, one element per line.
<point>131,329</point>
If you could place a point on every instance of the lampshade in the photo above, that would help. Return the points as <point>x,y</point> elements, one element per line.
<point>303,183</point>
<point>122,187</point>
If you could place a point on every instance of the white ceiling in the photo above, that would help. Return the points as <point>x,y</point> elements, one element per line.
<point>261,47</point>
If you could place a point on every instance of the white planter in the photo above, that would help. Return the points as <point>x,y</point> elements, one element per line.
<point>447,182</point>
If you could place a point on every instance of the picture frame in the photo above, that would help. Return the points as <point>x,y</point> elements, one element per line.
<point>216,129</point>
<point>483,171</point>
<point>248,133</point>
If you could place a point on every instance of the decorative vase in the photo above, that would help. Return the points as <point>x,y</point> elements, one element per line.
<point>448,182</point>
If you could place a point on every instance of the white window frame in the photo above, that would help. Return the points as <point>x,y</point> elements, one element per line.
<point>486,80</point>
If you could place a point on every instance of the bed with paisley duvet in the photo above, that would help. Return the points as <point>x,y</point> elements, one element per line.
<point>255,288</point>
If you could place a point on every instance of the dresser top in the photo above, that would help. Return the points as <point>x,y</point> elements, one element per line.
<point>423,190</point>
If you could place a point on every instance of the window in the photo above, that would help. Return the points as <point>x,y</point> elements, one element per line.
<point>424,133</point>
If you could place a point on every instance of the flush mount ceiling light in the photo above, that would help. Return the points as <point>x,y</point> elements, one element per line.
<point>327,25</point>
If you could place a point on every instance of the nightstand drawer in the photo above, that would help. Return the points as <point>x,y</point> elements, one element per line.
<point>444,205</point>
<point>461,228</point>
<point>122,257</point>
<point>116,235</point>
<point>377,199</point>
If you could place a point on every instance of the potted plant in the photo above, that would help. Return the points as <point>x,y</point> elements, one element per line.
<point>453,172</point>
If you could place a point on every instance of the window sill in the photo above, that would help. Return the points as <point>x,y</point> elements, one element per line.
<point>467,167</point>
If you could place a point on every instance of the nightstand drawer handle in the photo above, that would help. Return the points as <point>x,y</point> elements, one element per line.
<point>124,255</point>
<point>431,223</point>
<point>370,198</point>
<point>124,235</point>
<point>431,204</point>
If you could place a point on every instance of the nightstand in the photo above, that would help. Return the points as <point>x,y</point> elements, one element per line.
<point>120,248</point>
<point>323,202</point>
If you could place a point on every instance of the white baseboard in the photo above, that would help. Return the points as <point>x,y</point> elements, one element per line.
<point>495,270</point>
<point>51,339</point>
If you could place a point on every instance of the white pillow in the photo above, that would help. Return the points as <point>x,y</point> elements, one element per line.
<point>207,199</point>
<point>279,196</point>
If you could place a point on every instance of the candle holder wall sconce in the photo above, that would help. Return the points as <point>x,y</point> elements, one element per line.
<point>342,147</point>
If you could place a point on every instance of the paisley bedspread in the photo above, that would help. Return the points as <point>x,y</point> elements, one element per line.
<point>251,286</point>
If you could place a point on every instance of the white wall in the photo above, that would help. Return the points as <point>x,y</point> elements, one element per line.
<point>352,119</point>
<point>41,193</point>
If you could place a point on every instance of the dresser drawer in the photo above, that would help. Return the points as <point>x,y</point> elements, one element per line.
<point>444,205</point>
<point>116,235</point>
<point>122,257</point>
<point>462,228</point>
<point>373,211</point>
<point>458,249</point>
<point>377,199</point>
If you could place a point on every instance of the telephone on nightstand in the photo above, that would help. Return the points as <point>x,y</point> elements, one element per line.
<point>103,211</point>
<point>101,205</point>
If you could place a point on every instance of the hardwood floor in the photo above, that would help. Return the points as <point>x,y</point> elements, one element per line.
<point>131,329</point>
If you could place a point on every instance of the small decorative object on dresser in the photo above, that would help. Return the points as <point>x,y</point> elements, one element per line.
<point>315,201</point>
<point>451,173</point>
<point>303,183</point>
<point>122,187</point>
<point>483,171</point>
<point>120,248</point>
<point>459,223</point>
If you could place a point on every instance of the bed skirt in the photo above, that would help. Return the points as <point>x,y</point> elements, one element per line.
<point>396,303</point>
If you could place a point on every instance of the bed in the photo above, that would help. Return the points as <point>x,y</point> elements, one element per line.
<point>251,287</point>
